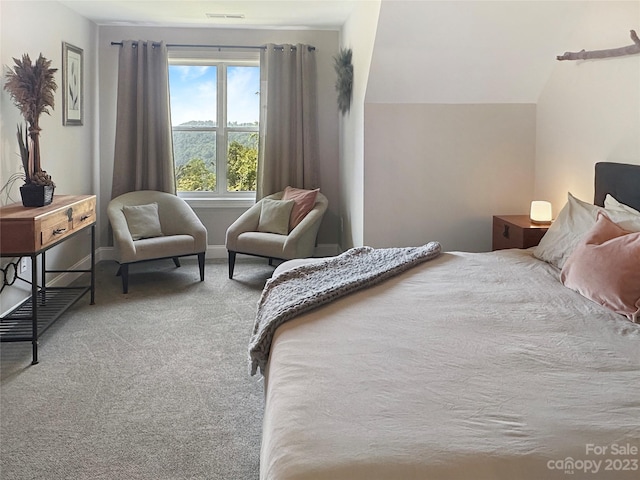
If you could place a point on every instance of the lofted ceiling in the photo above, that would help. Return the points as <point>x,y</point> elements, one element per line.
<point>425,51</point>
<point>272,14</point>
<point>469,51</point>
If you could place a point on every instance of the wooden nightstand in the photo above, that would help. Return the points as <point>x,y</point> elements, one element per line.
<point>516,231</point>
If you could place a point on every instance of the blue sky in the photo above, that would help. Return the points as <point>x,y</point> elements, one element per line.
<point>193,93</point>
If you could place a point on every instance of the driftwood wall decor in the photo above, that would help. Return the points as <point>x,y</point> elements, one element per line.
<point>610,52</point>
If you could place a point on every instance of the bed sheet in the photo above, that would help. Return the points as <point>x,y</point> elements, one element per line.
<point>472,365</point>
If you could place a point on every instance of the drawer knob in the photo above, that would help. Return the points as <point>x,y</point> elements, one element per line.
<point>84,217</point>
<point>59,231</point>
<point>69,213</point>
<point>505,233</point>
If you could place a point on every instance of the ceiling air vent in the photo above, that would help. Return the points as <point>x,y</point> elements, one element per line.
<point>224,15</point>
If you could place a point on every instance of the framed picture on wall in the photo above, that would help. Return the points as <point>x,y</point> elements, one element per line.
<point>72,94</point>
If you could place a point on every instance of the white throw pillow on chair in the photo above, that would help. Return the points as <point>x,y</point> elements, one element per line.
<point>143,220</point>
<point>274,216</point>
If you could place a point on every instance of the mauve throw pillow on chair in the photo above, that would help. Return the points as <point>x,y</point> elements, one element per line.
<point>604,268</point>
<point>304,202</point>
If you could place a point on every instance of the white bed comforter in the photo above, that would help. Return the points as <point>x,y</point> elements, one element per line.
<point>470,366</point>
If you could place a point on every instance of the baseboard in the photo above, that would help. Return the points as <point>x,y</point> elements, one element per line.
<point>66,278</point>
<point>107,254</point>
<point>327,250</point>
<point>217,251</point>
<point>213,251</point>
<point>63,279</point>
<point>220,251</point>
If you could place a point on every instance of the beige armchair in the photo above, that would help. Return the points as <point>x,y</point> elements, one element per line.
<point>178,231</point>
<point>243,237</point>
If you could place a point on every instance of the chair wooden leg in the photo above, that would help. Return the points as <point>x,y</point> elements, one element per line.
<point>201,265</point>
<point>176,260</point>
<point>124,273</point>
<point>232,262</point>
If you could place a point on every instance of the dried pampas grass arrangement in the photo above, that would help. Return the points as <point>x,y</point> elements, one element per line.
<point>31,87</point>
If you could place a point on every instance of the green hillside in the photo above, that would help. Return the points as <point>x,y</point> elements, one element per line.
<point>195,158</point>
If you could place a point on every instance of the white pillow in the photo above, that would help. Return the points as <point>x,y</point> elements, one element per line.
<point>574,220</point>
<point>625,216</point>
<point>143,220</point>
<point>274,216</point>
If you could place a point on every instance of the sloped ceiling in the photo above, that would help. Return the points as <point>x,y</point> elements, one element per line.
<point>425,51</point>
<point>468,51</point>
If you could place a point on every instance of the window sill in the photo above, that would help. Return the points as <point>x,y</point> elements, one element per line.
<point>213,202</point>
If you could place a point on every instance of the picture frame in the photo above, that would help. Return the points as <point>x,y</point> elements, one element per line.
<point>72,84</point>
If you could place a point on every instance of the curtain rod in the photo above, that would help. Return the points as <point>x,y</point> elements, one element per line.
<point>182,45</point>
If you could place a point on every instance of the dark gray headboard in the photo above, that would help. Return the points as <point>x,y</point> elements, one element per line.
<point>621,180</point>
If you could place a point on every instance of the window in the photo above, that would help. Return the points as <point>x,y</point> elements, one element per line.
<point>215,109</point>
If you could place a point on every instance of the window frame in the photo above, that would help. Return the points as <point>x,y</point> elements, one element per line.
<point>221,198</point>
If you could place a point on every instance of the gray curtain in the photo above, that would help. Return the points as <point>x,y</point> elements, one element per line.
<point>143,157</point>
<point>288,150</point>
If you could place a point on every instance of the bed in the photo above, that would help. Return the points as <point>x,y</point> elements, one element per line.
<point>466,366</point>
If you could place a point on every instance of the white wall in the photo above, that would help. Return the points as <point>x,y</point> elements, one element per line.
<point>218,219</point>
<point>358,34</point>
<point>67,152</point>
<point>465,122</point>
<point>440,172</point>
<point>467,51</point>
<point>589,111</point>
<point>449,117</point>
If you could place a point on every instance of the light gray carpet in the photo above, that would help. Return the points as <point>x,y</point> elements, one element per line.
<point>149,385</point>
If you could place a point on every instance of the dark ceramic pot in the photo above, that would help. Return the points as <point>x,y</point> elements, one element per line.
<point>36,195</point>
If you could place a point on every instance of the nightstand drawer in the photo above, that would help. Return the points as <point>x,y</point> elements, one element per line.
<point>516,231</point>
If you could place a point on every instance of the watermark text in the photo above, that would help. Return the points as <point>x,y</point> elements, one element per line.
<point>600,458</point>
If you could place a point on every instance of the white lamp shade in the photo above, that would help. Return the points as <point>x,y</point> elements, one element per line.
<point>540,212</point>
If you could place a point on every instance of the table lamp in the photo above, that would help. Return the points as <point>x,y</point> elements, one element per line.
<point>540,212</point>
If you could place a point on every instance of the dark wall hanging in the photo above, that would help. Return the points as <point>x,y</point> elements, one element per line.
<point>610,52</point>
<point>344,83</point>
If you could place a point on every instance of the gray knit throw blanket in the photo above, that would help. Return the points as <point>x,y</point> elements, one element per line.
<point>308,286</point>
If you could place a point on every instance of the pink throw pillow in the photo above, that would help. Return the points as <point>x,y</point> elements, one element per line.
<point>605,267</point>
<point>304,202</point>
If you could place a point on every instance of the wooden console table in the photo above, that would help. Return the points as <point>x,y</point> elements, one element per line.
<point>30,232</point>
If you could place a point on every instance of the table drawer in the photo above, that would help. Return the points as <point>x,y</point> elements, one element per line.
<point>53,229</point>
<point>84,214</point>
<point>27,230</point>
